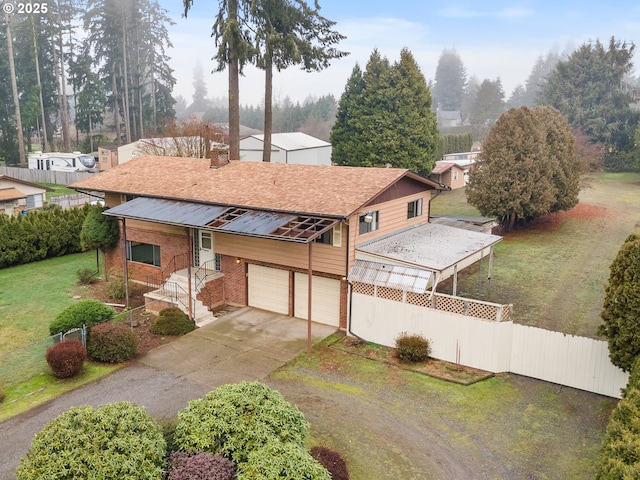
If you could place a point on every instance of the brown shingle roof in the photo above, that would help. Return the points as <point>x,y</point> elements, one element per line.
<point>311,189</point>
<point>7,194</point>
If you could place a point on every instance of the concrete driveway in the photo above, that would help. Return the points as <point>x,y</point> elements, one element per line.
<point>246,344</point>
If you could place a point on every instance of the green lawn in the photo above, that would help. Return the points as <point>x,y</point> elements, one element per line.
<point>58,190</point>
<point>555,269</point>
<point>32,295</point>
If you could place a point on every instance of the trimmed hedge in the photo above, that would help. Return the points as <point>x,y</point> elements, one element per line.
<point>412,348</point>
<point>236,419</point>
<point>66,358</point>
<point>172,321</point>
<point>85,312</point>
<point>116,441</point>
<point>40,234</point>
<point>200,466</point>
<point>112,342</point>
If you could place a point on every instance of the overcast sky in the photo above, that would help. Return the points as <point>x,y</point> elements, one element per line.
<point>493,38</point>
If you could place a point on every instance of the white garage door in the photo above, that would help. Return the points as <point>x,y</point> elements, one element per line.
<point>325,296</point>
<point>269,289</point>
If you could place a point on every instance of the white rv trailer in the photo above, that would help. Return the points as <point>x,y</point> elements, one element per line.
<point>62,162</point>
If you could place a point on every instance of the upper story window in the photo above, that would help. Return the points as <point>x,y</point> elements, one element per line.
<point>369,222</point>
<point>414,208</point>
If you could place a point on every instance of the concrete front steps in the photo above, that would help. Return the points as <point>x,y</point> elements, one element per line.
<point>176,289</point>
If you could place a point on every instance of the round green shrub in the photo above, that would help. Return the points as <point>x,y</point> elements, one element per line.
<point>112,342</point>
<point>85,312</point>
<point>117,440</point>
<point>236,419</point>
<point>412,348</point>
<point>332,461</point>
<point>284,461</point>
<point>66,358</point>
<point>172,321</point>
<point>200,466</point>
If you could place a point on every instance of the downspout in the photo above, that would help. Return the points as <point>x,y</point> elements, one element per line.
<point>125,260</point>
<point>349,285</point>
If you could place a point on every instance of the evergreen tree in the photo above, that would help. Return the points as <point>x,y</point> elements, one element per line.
<point>290,33</point>
<point>621,309</point>
<point>384,117</point>
<point>488,104</point>
<point>587,89</point>
<point>99,232</point>
<point>526,168</point>
<point>450,81</point>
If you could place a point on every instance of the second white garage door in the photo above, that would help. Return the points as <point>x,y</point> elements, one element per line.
<point>269,289</point>
<point>325,296</point>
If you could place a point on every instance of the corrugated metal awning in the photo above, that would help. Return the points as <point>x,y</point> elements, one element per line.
<point>391,276</point>
<point>167,211</point>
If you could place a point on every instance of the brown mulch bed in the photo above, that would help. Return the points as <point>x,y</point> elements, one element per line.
<point>432,367</point>
<point>140,318</point>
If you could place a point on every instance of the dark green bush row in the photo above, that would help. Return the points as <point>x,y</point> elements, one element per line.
<point>200,466</point>
<point>116,441</point>
<point>112,342</point>
<point>85,312</point>
<point>172,321</point>
<point>66,358</point>
<point>40,234</point>
<point>412,348</point>
<point>620,455</point>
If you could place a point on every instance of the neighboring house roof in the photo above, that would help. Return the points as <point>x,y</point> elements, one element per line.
<point>442,167</point>
<point>7,194</point>
<point>7,178</point>
<point>309,189</point>
<point>291,141</point>
<point>244,130</point>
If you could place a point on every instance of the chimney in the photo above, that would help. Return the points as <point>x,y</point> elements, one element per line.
<point>219,157</point>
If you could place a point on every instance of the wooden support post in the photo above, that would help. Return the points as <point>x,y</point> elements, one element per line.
<point>125,269</point>
<point>309,299</point>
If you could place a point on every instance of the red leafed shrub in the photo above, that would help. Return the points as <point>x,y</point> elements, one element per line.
<point>112,342</point>
<point>200,466</point>
<point>332,461</point>
<point>66,358</point>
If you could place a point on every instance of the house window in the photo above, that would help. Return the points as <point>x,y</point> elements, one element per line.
<point>414,209</point>
<point>143,253</point>
<point>369,222</point>
<point>326,237</point>
<point>455,174</point>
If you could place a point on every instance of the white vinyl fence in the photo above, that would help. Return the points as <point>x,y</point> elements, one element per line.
<point>493,346</point>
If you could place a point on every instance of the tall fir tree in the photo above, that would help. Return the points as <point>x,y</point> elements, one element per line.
<point>385,118</point>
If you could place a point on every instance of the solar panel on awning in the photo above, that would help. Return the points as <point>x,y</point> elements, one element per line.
<point>391,276</point>
<point>167,211</point>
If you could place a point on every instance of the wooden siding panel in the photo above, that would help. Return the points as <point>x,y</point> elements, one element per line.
<point>326,258</point>
<point>156,227</point>
<point>392,218</point>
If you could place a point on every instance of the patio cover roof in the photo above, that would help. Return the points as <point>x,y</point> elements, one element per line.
<point>391,276</point>
<point>225,218</point>
<point>428,246</point>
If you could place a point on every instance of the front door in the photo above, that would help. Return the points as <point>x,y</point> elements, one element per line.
<point>205,246</point>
